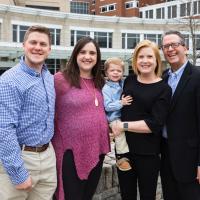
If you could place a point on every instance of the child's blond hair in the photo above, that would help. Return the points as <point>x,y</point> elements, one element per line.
<point>113,60</point>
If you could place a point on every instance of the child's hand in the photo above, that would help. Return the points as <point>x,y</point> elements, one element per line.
<point>126,100</point>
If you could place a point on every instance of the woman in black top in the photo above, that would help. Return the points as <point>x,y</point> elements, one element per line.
<point>143,121</point>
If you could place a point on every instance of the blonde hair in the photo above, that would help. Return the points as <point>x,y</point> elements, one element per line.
<point>154,47</point>
<point>113,60</point>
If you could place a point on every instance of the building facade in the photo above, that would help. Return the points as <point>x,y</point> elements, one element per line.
<point>116,36</point>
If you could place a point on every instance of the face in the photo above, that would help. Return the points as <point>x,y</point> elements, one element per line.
<point>86,59</point>
<point>114,72</point>
<point>36,50</point>
<point>146,61</point>
<point>175,56</point>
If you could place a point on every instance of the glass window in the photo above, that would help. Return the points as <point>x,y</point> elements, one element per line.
<point>80,34</point>
<point>186,36</point>
<point>188,8</point>
<point>154,38</point>
<point>158,13</point>
<point>151,14</point>
<point>53,65</point>
<point>183,10</point>
<point>103,9</point>
<point>14,33</point>
<point>55,36</point>
<point>174,11</point>
<point>77,35</point>
<point>111,7</point>
<point>195,7</point>
<point>130,40</point>
<point>198,7</point>
<point>79,7</point>
<point>104,39</point>
<point>20,30</point>
<point>197,41</point>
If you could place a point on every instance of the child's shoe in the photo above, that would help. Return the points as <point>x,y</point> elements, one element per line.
<point>123,164</point>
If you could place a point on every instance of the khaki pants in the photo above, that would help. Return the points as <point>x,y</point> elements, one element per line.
<point>42,168</point>
<point>121,145</point>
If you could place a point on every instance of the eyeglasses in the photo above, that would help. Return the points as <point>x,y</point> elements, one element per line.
<point>172,45</point>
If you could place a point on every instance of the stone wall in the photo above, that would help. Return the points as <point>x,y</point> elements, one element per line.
<point>108,187</point>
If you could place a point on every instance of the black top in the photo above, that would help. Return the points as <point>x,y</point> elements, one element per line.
<point>151,104</point>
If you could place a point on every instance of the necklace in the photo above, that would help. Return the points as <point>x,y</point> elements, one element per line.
<point>96,102</point>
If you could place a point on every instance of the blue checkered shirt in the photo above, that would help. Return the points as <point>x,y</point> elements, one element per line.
<point>27,100</point>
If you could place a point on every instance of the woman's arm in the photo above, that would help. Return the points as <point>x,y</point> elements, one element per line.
<point>133,126</point>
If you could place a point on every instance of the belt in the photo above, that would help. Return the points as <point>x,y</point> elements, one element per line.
<point>35,149</point>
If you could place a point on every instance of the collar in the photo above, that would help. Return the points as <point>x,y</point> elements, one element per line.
<point>115,84</point>
<point>29,69</point>
<point>179,71</point>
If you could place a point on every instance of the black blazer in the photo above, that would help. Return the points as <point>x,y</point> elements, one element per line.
<point>183,125</point>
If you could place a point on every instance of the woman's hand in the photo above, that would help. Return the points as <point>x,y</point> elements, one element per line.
<point>117,127</point>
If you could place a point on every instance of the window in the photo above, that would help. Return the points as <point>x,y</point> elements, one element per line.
<point>20,30</point>
<point>108,8</point>
<point>149,14</point>
<point>55,36</point>
<point>130,40</point>
<point>104,39</point>
<point>185,9</point>
<point>195,7</point>
<point>43,7</point>
<point>79,7</point>
<point>186,36</point>
<point>197,41</point>
<point>53,65</point>
<point>131,4</point>
<point>154,38</point>
<point>172,12</point>
<point>77,35</point>
<point>160,13</point>
<point>93,2</point>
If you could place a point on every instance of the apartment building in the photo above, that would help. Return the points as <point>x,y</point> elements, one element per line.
<point>116,36</point>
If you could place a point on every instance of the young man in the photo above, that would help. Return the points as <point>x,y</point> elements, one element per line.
<point>27,98</point>
<point>180,167</point>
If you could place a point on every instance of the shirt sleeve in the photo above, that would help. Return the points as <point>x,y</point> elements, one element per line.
<point>159,111</point>
<point>110,104</point>
<point>10,152</point>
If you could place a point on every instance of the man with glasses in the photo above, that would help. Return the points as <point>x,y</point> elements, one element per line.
<point>180,163</point>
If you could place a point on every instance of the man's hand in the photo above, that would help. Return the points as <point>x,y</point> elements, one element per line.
<point>126,100</point>
<point>26,185</point>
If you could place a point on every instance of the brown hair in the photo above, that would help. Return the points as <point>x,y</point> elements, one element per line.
<point>40,29</point>
<point>173,32</point>
<point>154,47</point>
<point>71,71</point>
<point>113,60</point>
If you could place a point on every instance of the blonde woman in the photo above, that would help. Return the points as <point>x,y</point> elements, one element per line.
<point>143,121</point>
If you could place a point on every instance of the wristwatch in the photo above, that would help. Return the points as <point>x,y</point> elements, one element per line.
<point>125,126</point>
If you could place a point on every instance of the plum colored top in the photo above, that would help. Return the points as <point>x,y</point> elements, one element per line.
<point>79,126</point>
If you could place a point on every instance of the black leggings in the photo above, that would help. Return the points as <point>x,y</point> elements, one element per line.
<point>144,172</point>
<point>74,187</point>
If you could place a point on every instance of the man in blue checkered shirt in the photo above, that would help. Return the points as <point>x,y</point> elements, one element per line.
<point>27,100</point>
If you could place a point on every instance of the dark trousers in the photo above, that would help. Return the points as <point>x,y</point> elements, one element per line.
<point>145,169</point>
<point>74,187</point>
<point>172,189</point>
